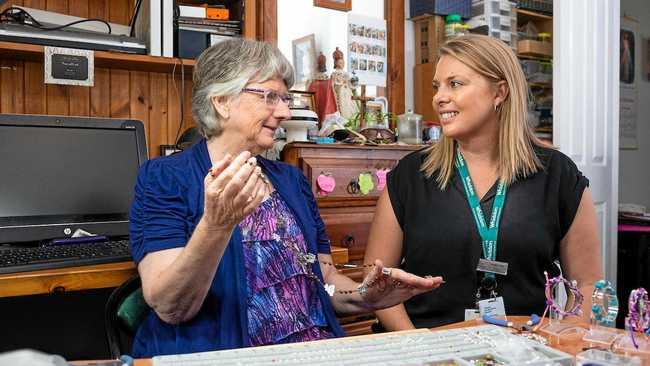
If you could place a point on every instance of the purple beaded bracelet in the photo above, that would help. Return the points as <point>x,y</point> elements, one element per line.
<point>638,313</point>
<point>571,286</point>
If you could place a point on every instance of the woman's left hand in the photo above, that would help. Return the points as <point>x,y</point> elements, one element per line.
<point>384,287</point>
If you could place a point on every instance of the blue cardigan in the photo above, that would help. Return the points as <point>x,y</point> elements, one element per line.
<point>167,206</point>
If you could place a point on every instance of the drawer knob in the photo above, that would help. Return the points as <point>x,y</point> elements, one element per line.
<point>353,187</point>
<point>348,241</point>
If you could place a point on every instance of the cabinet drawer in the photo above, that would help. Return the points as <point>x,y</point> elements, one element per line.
<point>346,173</point>
<point>349,228</point>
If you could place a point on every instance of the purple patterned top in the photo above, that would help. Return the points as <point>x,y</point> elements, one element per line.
<point>283,305</point>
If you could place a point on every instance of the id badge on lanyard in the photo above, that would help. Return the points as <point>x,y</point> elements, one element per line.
<point>488,265</point>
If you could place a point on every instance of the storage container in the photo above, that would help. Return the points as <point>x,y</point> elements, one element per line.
<point>440,7</point>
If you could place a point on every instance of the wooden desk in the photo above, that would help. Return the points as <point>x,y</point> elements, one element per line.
<point>86,277</point>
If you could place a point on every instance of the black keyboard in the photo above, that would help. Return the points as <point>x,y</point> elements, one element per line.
<point>25,259</point>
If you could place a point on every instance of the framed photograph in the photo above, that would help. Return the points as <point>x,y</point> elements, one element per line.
<point>304,59</point>
<point>343,5</point>
<point>303,100</point>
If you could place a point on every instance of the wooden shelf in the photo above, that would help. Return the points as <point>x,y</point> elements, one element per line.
<point>113,60</point>
<point>524,14</point>
<point>541,85</point>
<point>533,57</point>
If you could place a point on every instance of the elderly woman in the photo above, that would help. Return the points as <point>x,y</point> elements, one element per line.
<point>230,247</point>
<point>489,206</point>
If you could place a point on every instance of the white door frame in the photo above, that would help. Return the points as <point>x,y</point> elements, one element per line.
<point>586,104</point>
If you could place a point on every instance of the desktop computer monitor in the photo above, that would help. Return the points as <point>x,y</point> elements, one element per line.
<point>60,174</point>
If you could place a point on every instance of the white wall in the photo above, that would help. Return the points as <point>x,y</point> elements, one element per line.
<point>298,18</point>
<point>634,165</point>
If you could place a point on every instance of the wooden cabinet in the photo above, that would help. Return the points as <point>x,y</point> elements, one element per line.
<point>347,213</point>
<point>423,90</point>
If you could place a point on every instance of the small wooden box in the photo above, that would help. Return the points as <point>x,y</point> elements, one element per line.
<point>429,36</point>
<point>528,47</point>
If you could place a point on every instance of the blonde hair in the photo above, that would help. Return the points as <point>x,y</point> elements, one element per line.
<point>495,61</point>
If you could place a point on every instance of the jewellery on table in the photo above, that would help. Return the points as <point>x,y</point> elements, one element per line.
<point>639,314</point>
<point>551,302</point>
<point>533,337</point>
<point>534,320</point>
<point>487,360</point>
<point>604,308</point>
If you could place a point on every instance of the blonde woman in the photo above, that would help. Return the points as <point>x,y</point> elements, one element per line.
<point>488,169</point>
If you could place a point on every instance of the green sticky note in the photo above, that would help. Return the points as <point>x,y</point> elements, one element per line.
<point>365,183</point>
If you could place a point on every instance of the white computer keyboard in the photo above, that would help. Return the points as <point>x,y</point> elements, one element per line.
<point>465,346</point>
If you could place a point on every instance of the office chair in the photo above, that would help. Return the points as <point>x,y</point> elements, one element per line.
<point>188,137</point>
<point>124,311</point>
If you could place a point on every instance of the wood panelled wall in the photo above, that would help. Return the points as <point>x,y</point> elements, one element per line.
<point>152,97</point>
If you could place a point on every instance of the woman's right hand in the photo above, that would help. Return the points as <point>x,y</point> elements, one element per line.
<point>233,189</point>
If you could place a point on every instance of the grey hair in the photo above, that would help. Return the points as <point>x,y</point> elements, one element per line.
<point>224,69</point>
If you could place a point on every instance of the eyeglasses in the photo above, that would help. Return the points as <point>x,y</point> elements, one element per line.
<point>271,97</point>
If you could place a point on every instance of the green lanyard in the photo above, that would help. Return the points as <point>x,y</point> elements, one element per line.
<point>488,233</point>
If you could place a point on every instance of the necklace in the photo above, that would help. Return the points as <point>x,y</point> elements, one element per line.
<point>306,260</point>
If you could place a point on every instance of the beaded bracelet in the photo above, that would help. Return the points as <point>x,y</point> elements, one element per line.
<point>638,314</point>
<point>551,301</point>
<point>572,286</point>
<point>604,308</point>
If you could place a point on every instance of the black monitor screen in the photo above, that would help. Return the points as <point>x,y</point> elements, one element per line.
<point>62,174</point>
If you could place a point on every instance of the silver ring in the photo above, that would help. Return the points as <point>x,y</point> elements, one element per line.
<point>386,271</point>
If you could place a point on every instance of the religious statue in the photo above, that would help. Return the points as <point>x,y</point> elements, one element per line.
<point>321,86</point>
<point>343,90</point>
<point>321,61</point>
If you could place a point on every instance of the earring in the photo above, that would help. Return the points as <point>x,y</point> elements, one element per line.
<point>496,108</point>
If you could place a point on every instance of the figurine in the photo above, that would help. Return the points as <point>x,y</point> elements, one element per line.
<point>321,61</point>
<point>343,90</point>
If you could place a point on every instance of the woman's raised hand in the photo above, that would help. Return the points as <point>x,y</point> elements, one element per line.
<point>233,189</point>
<point>384,287</point>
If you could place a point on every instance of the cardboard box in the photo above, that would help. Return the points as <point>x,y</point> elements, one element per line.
<point>429,36</point>
<point>528,47</point>
<point>217,13</point>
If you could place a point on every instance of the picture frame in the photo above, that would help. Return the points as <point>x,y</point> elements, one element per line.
<point>342,5</point>
<point>303,100</point>
<point>304,59</point>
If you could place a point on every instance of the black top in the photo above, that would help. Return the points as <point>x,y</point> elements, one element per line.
<point>441,237</point>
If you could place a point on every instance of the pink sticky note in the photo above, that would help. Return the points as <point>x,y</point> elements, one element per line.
<point>326,184</point>
<point>381,178</point>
